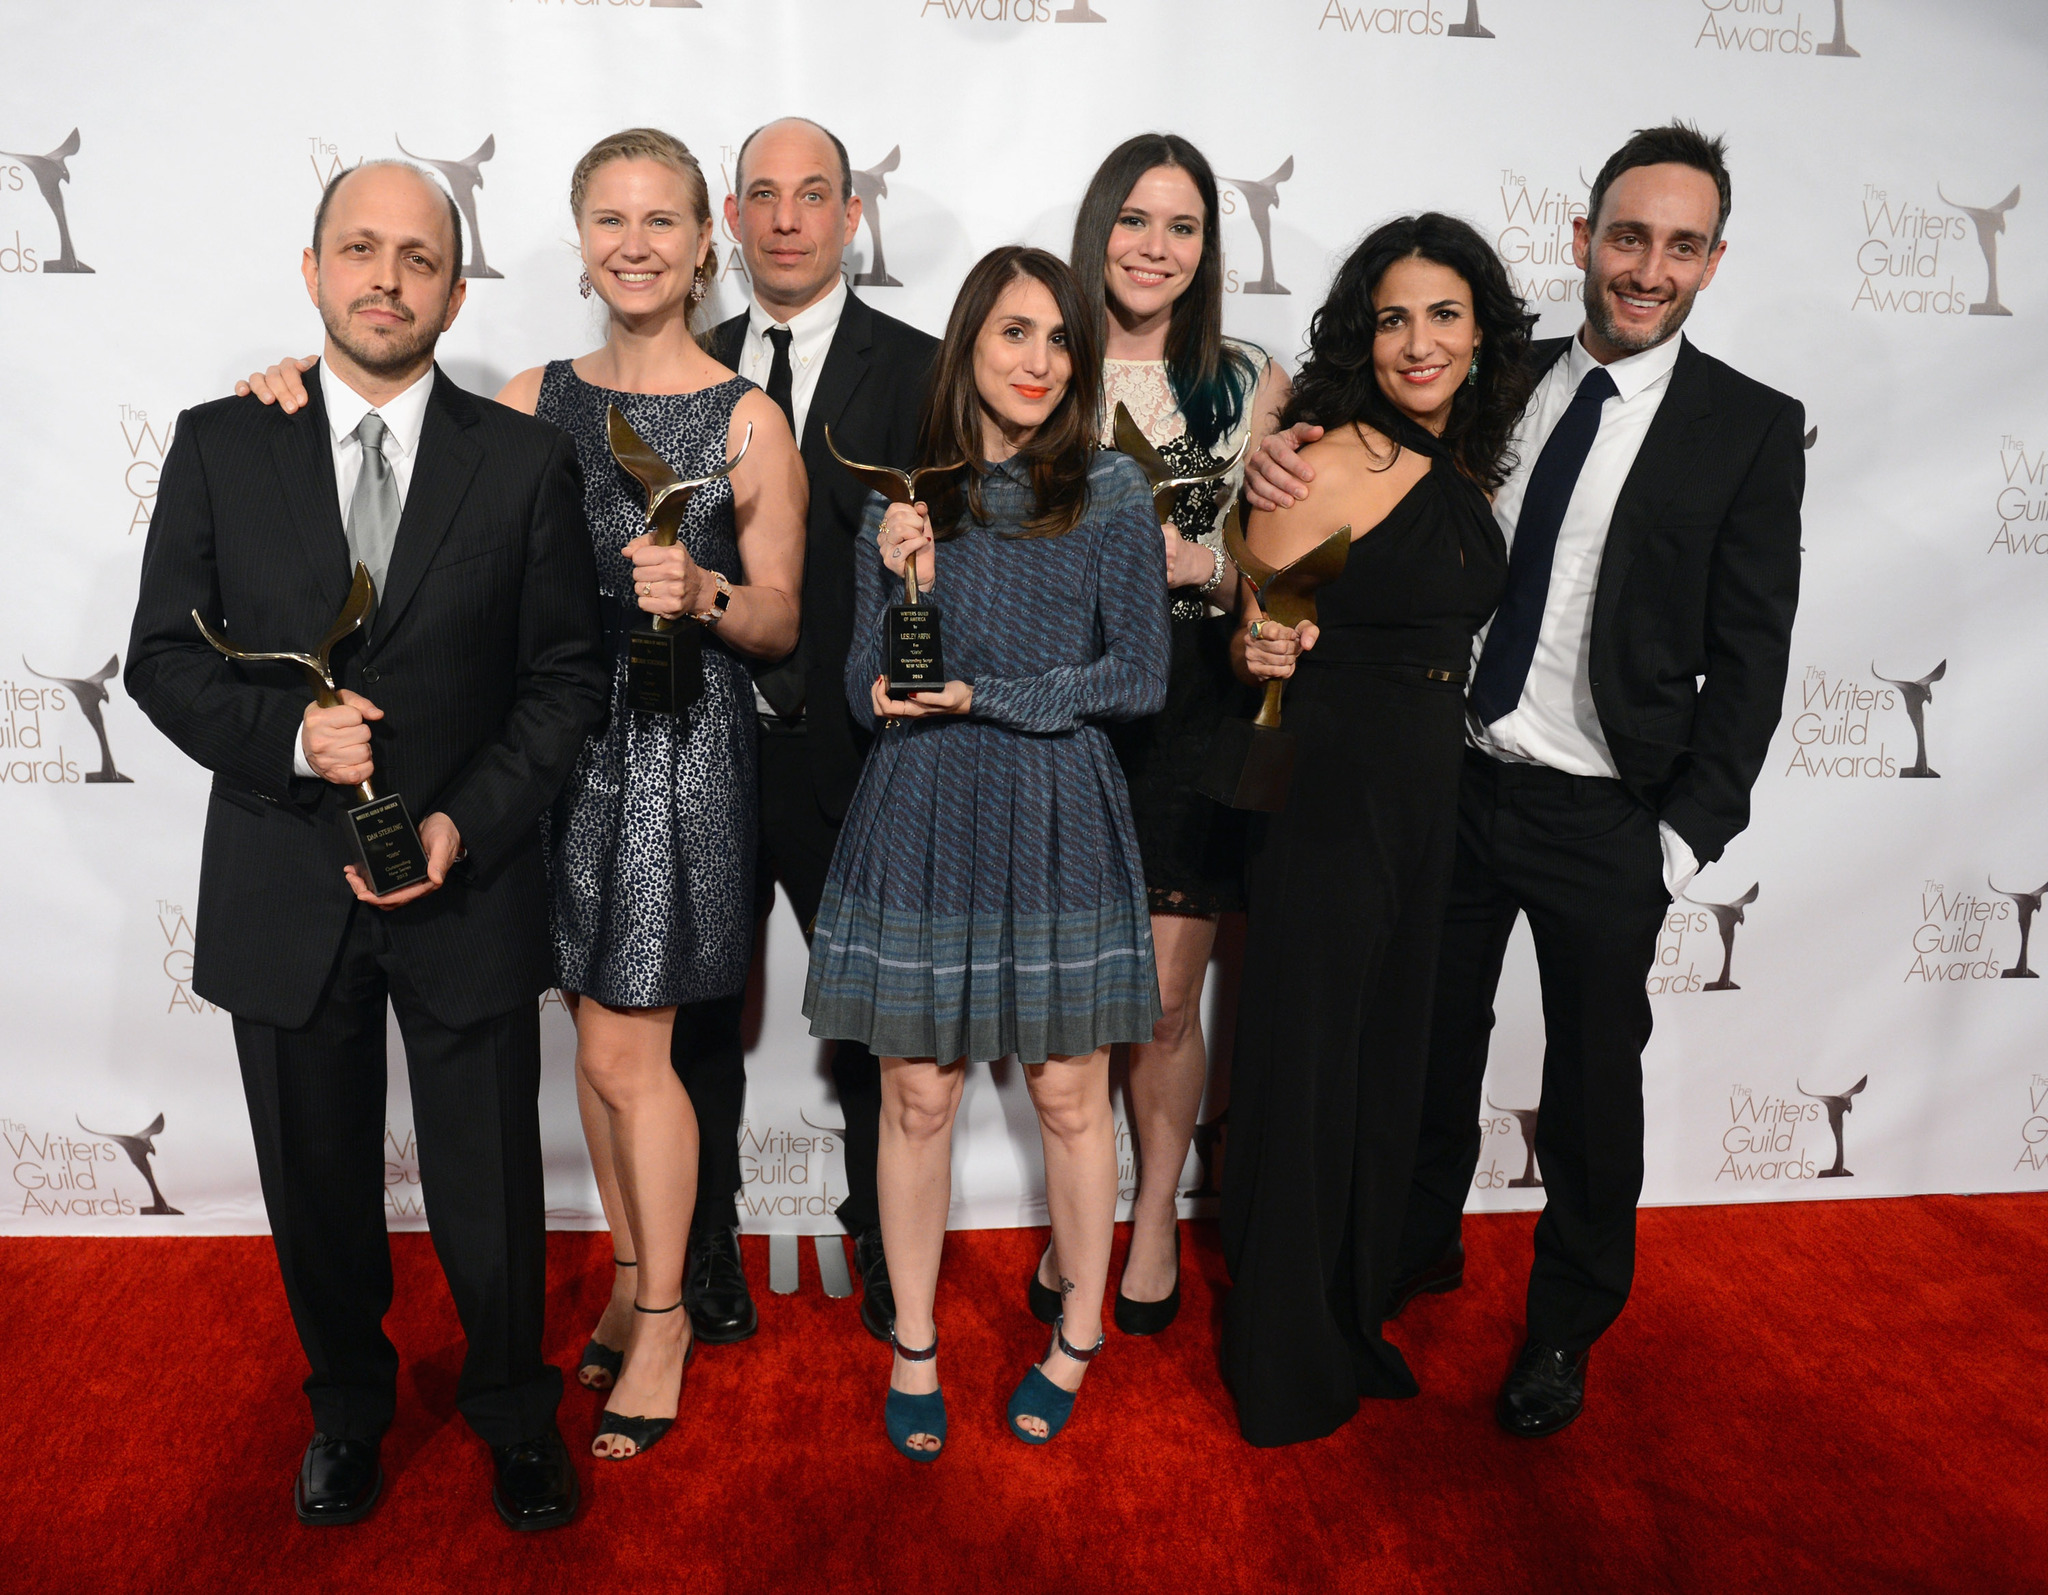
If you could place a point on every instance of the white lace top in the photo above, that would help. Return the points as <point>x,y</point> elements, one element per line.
<point>1142,387</point>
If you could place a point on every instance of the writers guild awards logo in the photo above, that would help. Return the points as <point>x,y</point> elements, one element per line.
<point>1534,240</point>
<point>91,695</point>
<point>1917,695</point>
<point>1837,1107</point>
<point>1726,917</point>
<point>1771,37</point>
<point>1260,198</point>
<point>1839,44</point>
<point>1080,11</point>
<point>464,178</point>
<point>675,5</point>
<point>145,459</point>
<point>49,171</point>
<point>2028,904</point>
<point>1525,1121</point>
<point>1470,29</point>
<point>2034,1128</point>
<point>140,1147</point>
<point>2023,497</point>
<point>871,187</point>
<point>1990,223</point>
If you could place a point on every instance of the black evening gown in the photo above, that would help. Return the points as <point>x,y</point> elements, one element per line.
<point>1347,887</point>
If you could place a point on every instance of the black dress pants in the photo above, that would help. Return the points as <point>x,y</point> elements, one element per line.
<point>708,1050</point>
<point>1581,857</point>
<point>316,1104</point>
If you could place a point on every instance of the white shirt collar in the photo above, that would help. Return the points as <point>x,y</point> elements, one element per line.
<point>402,416</point>
<point>810,327</point>
<point>1632,374</point>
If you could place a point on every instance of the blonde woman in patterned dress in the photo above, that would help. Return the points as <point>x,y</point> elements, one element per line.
<point>1147,249</point>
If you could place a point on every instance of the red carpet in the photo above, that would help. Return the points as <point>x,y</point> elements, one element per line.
<point>1820,1396</point>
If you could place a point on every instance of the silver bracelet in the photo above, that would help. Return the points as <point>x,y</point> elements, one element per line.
<point>1215,577</point>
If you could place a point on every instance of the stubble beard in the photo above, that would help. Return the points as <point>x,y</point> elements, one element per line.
<point>1601,317</point>
<point>393,353</point>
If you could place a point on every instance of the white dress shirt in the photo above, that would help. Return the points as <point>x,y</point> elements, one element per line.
<point>1555,722</point>
<point>402,417</point>
<point>811,331</point>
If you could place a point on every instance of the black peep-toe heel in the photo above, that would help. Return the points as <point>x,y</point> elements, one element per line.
<point>598,1358</point>
<point>643,1432</point>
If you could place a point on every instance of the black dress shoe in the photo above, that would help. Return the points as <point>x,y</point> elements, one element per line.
<point>339,1481</point>
<point>1545,1390</point>
<point>1444,1275</point>
<point>715,1288</point>
<point>877,1297</point>
<point>536,1486</point>
<point>1149,1317</point>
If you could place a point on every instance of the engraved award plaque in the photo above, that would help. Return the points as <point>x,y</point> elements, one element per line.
<point>912,656</point>
<point>1131,441</point>
<point>387,844</point>
<point>664,661</point>
<point>1251,761</point>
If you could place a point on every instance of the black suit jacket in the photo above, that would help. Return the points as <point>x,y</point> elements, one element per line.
<point>484,655</point>
<point>869,393</point>
<point>1692,614</point>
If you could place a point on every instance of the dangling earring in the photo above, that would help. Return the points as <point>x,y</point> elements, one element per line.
<point>696,290</point>
<point>583,285</point>
<point>1472,371</point>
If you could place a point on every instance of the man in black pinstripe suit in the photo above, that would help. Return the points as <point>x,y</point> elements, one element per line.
<point>469,692</point>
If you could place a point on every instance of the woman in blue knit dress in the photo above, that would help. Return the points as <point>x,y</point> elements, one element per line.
<point>987,895</point>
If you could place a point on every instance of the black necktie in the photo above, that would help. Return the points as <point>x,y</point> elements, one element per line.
<point>779,375</point>
<point>1511,642</point>
<point>781,683</point>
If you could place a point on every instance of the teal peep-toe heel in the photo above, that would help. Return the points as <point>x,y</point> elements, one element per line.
<point>1038,1397</point>
<point>904,1415</point>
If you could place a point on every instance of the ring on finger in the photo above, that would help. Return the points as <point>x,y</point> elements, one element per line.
<point>1255,629</point>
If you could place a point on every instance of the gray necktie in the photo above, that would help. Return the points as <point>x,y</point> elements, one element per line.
<point>374,510</point>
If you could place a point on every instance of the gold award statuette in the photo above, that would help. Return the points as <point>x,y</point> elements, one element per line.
<point>1165,485</point>
<point>911,653</point>
<point>664,664</point>
<point>387,843</point>
<point>1250,762</point>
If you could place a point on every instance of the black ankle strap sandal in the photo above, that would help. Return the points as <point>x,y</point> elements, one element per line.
<point>925,1355</point>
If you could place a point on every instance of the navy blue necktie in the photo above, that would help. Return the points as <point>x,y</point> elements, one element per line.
<point>1511,642</point>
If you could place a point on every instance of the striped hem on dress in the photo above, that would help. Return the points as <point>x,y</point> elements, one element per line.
<point>911,985</point>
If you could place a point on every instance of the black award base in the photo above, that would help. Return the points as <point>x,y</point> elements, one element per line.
<point>664,669</point>
<point>389,853</point>
<point>1249,767</point>
<point>911,652</point>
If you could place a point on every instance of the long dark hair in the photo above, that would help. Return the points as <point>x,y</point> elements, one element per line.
<point>1212,382</point>
<point>1059,452</point>
<point>1336,385</point>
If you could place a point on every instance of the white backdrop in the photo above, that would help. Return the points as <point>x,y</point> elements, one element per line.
<point>1874,946</point>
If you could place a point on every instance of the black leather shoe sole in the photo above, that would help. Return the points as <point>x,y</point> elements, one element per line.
<point>1527,1427</point>
<point>1532,1407</point>
<point>1442,1277</point>
<point>336,1517</point>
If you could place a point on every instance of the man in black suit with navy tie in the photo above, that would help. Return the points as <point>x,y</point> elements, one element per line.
<point>828,359</point>
<point>469,692</point>
<point>1621,706</point>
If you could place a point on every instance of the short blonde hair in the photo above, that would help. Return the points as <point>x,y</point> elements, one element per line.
<point>650,144</point>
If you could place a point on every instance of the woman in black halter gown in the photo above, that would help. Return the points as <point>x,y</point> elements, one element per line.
<point>1414,372</point>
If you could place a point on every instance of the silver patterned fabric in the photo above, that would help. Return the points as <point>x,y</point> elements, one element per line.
<point>650,847</point>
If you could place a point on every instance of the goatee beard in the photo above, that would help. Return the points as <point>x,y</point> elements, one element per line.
<point>386,357</point>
